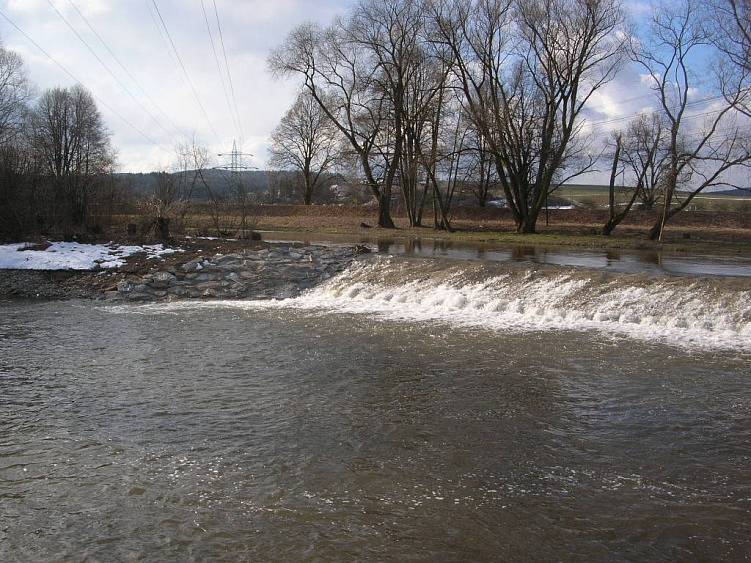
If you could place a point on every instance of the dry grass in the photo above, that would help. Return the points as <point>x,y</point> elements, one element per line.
<point>597,197</point>
<point>699,231</point>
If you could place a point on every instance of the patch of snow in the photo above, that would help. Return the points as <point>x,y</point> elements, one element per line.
<point>74,256</point>
<point>559,207</point>
<point>188,237</point>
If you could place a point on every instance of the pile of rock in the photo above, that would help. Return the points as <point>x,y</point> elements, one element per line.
<point>277,272</point>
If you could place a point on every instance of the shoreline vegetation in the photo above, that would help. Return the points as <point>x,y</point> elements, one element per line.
<point>308,233</point>
<point>700,232</point>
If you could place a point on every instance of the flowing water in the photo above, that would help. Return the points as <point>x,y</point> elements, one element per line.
<point>408,409</point>
<point>613,260</point>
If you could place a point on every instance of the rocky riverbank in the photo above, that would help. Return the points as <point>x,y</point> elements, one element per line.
<point>275,271</point>
<point>48,285</point>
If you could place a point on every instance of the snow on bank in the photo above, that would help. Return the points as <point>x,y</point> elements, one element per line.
<point>74,256</point>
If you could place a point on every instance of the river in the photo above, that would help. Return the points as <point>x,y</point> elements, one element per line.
<point>653,261</point>
<point>408,409</point>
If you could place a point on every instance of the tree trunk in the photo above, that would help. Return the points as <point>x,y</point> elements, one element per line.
<point>659,227</point>
<point>656,232</point>
<point>611,191</point>
<point>613,220</point>
<point>162,228</point>
<point>526,220</point>
<point>307,196</point>
<point>528,225</point>
<point>384,212</point>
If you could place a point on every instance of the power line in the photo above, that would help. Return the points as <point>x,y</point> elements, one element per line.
<point>185,71</point>
<point>596,124</point>
<point>124,68</point>
<point>651,94</point>
<point>721,136</point>
<point>229,72</point>
<point>107,68</point>
<point>75,79</point>
<point>219,69</point>
<point>160,32</point>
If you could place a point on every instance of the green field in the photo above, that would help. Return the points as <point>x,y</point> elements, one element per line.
<point>594,196</point>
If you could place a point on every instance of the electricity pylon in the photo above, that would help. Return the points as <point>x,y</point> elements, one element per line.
<point>236,160</point>
<point>235,166</point>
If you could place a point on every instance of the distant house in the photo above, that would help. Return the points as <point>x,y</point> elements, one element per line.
<point>499,202</point>
<point>553,203</point>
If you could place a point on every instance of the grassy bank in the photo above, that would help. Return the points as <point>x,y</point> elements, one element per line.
<point>692,232</point>
<point>701,232</point>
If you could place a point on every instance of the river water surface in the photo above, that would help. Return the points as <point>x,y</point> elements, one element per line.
<point>614,260</point>
<point>361,421</point>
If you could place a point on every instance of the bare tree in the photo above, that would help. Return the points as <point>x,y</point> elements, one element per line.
<point>243,202</point>
<point>16,198</point>
<point>191,162</point>
<point>420,117</point>
<point>699,155</point>
<point>450,159</point>
<point>527,68</point>
<point>306,141</point>
<point>14,95</point>
<point>613,216</point>
<point>175,190</point>
<point>340,76</point>
<point>165,204</point>
<point>375,76</point>
<point>641,157</point>
<point>729,25</point>
<point>73,147</point>
<point>645,157</point>
<point>482,176</point>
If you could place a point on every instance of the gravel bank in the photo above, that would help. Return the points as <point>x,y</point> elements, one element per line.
<point>276,271</point>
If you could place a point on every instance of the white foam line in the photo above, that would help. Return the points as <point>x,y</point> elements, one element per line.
<point>682,315</point>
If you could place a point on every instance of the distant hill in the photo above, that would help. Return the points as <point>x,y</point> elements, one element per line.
<point>731,193</point>
<point>219,181</point>
<point>598,189</point>
<point>264,182</point>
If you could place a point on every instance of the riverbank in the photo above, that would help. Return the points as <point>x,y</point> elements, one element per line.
<point>197,269</point>
<point>276,272</point>
<point>729,246</point>
<point>709,232</point>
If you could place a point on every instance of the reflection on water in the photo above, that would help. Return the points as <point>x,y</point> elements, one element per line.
<point>647,261</point>
<point>221,434</point>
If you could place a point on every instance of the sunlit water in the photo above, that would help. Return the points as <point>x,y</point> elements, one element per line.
<point>367,427</point>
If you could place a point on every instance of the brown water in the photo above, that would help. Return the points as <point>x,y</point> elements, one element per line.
<point>284,434</point>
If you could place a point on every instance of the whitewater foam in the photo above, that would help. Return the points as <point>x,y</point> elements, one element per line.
<point>692,312</point>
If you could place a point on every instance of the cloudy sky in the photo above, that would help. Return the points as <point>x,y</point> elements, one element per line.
<point>132,31</point>
<point>129,28</point>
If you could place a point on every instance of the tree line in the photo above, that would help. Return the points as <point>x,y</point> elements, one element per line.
<point>56,157</point>
<point>419,100</point>
<point>420,96</point>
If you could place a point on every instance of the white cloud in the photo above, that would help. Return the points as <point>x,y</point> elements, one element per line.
<point>250,27</point>
<point>129,27</point>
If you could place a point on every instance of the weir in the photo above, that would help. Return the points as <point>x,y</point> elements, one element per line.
<point>691,312</point>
